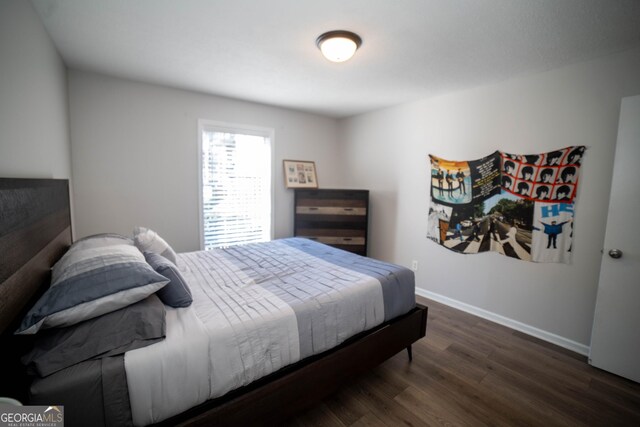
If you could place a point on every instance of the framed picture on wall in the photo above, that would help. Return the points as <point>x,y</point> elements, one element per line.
<point>300,174</point>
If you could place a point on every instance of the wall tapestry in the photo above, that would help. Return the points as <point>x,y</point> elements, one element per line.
<point>521,206</point>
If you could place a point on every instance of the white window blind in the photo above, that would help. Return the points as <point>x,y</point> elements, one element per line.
<point>236,187</point>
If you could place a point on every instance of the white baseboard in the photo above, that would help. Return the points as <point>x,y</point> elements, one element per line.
<point>513,324</point>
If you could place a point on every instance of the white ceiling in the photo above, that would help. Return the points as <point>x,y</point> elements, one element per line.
<point>264,50</point>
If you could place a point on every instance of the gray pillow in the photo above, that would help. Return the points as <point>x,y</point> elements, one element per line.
<point>176,293</point>
<point>87,283</point>
<point>135,326</point>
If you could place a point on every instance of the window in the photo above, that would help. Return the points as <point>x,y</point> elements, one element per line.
<point>235,184</point>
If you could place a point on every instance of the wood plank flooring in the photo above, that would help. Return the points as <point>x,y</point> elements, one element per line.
<point>469,371</point>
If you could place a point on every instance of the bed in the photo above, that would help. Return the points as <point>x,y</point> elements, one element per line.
<point>298,350</point>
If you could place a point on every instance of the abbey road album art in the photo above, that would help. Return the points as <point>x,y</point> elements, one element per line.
<point>519,205</point>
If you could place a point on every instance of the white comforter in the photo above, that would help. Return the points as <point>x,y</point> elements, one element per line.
<point>237,330</point>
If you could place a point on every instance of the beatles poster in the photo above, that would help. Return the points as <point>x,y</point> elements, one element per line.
<point>521,206</point>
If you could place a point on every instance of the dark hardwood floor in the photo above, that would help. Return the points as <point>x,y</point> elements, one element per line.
<point>469,371</point>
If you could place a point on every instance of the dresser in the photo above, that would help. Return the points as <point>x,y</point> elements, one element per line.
<point>336,217</point>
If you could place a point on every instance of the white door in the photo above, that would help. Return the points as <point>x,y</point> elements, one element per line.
<point>615,339</point>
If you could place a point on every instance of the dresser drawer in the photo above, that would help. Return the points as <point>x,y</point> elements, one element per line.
<point>332,232</point>
<point>333,240</point>
<point>330,210</point>
<point>336,203</point>
<point>333,194</point>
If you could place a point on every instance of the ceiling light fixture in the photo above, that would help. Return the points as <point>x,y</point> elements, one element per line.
<point>339,45</point>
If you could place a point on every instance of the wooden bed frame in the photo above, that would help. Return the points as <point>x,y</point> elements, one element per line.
<point>35,231</point>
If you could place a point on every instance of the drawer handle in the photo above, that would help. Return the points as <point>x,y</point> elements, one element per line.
<point>313,209</point>
<point>348,209</point>
<point>347,239</point>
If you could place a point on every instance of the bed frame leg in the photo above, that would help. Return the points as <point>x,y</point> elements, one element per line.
<point>410,353</point>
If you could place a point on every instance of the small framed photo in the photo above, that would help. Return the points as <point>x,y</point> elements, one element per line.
<point>300,174</point>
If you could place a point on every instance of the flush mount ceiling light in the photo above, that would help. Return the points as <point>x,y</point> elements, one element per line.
<point>338,46</point>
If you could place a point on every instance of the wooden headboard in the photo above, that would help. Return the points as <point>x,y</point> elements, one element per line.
<point>35,230</point>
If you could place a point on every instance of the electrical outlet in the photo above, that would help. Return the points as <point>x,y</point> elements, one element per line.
<point>414,265</point>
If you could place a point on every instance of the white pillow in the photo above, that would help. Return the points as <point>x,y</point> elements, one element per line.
<point>148,240</point>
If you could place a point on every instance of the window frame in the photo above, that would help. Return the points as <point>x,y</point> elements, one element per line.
<point>218,126</point>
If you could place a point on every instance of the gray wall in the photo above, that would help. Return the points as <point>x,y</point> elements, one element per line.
<point>387,152</point>
<point>134,154</point>
<point>34,135</point>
